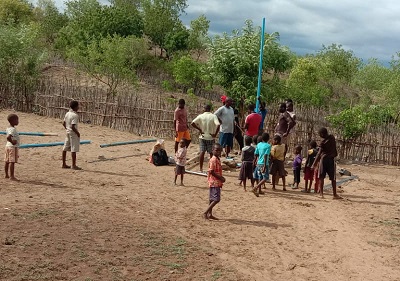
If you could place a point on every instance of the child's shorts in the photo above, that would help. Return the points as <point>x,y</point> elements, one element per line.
<point>11,155</point>
<point>246,171</point>
<point>278,168</point>
<point>215,194</point>
<point>179,170</point>
<point>71,143</point>
<point>259,175</point>
<point>308,174</point>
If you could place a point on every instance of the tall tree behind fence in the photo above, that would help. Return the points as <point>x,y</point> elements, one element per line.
<point>152,115</point>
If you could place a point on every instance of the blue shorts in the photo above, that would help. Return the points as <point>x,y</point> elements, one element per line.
<point>226,139</point>
<point>215,194</point>
<point>259,175</point>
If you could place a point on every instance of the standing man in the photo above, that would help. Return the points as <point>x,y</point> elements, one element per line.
<point>263,112</point>
<point>226,117</point>
<point>208,126</point>
<point>285,124</point>
<point>181,125</point>
<point>252,122</point>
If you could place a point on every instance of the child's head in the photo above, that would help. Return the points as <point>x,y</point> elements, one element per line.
<point>13,119</point>
<point>248,140</point>
<point>277,139</point>
<point>289,106</point>
<point>298,149</point>
<point>255,139</point>
<point>182,143</point>
<point>217,150</point>
<point>250,108</point>
<point>323,132</point>
<point>181,103</point>
<point>262,105</point>
<point>282,108</point>
<point>74,105</point>
<point>265,137</point>
<point>259,139</point>
<point>313,144</point>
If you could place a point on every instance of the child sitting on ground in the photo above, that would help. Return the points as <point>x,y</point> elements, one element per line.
<point>262,153</point>
<point>278,157</point>
<point>308,171</point>
<point>180,160</point>
<point>12,145</point>
<point>246,170</point>
<point>297,166</point>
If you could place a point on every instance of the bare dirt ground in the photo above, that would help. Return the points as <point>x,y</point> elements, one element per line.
<point>123,219</point>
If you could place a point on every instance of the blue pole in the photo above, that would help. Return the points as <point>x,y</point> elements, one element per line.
<point>32,145</point>
<point>126,142</point>
<point>31,134</point>
<point>260,66</point>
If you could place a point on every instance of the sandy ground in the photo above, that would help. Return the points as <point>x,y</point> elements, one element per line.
<point>123,219</point>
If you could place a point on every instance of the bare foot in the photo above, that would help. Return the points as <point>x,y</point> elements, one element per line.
<point>255,192</point>
<point>7,176</point>
<point>284,189</point>
<point>205,216</point>
<point>182,184</point>
<point>213,218</point>
<point>337,197</point>
<point>66,167</point>
<point>14,179</point>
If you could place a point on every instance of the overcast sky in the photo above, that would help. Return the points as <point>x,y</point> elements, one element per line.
<point>369,28</point>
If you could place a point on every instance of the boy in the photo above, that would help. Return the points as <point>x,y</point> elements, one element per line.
<point>12,145</point>
<point>215,181</point>
<point>72,139</point>
<point>246,170</point>
<point>308,171</point>
<point>278,157</point>
<point>262,153</point>
<point>326,158</point>
<point>181,126</point>
<point>297,166</point>
<point>180,159</point>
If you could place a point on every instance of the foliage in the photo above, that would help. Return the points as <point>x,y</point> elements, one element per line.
<point>111,60</point>
<point>234,60</point>
<point>198,35</point>
<point>176,40</point>
<point>161,19</point>
<point>15,11</point>
<point>189,73</point>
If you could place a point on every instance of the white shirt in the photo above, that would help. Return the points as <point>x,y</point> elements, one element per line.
<point>71,118</point>
<point>227,117</point>
<point>208,123</point>
<point>15,136</point>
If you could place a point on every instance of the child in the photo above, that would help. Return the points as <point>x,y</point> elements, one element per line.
<point>326,158</point>
<point>72,139</point>
<point>254,143</point>
<point>215,180</point>
<point>246,170</point>
<point>278,157</point>
<point>308,171</point>
<point>12,145</point>
<point>262,153</point>
<point>180,160</point>
<point>297,166</point>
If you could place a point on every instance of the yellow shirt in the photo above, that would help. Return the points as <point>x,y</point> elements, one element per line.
<point>278,152</point>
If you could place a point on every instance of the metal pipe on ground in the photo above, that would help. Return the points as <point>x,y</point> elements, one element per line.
<point>37,134</point>
<point>33,145</point>
<point>126,142</point>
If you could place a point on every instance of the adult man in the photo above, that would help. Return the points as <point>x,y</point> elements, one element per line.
<point>208,126</point>
<point>180,124</point>
<point>252,122</point>
<point>226,117</point>
<point>285,124</point>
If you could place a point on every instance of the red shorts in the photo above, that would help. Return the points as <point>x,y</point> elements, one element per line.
<point>308,174</point>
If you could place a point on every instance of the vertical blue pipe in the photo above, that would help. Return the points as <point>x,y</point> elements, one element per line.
<point>260,66</point>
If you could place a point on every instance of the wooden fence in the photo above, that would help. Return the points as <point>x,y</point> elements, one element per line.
<point>152,115</point>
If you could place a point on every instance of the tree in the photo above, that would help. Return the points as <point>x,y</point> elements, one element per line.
<point>234,61</point>
<point>15,11</point>
<point>161,20</point>
<point>198,35</point>
<point>189,73</point>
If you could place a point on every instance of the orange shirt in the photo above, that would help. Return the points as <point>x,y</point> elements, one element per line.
<point>214,165</point>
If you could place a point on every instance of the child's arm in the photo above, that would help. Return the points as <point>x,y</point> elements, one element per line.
<point>10,139</point>
<point>317,158</point>
<point>221,178</point>
<point>265,162</point>
<point>64,125</point>
<point>73,127</point>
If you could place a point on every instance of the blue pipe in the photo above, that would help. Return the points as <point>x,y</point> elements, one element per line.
<point>31,134</point>
<point>126,142</point>
<point>32,145</point>
<point>260,66</point>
